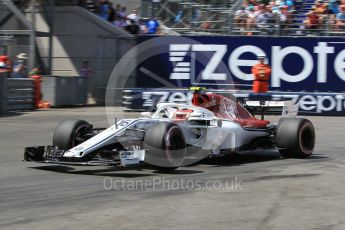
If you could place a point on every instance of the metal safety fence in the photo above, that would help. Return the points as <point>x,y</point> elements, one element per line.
<point>187,17</point>
<point>291,24</point>
<point>228,18</point>
<point>65,91</point>
<point>226,22</point>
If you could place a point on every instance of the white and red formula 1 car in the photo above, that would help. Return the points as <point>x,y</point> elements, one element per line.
<point>213,125</point>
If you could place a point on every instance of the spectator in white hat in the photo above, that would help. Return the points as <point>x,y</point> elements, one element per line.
<point>133,16</point>
<point>20,69</point>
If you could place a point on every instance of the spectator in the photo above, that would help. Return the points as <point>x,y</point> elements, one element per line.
<point>241,17</point>
<point>111,12</point>
<point>262,19</point>
<point>333,6</point>
<point>3,60</point>
<point>275,8</point>
<point>122,13</point>
<point>271,19</point>
<point>331,18</point>
<point>86,70</point>
<point>279,3</point>
<point>326,8</point>
<point>340,18</point>
<point>133,27</point>
<point>312,21</point>
<point>291,10</point>
<point>290,4</point>
<point>119,22</point>
<point>134,16</point>
<point>320,10</point>
<point>103,9</point>
<point>250,20</point>
<point>20,69</point>
<point>120,16</point>
<point>284,17</point>
<point>143,27</point>
<point>319,7</point>
<point>245,4</point>
<point>152,26</point>
<point>5,65</point>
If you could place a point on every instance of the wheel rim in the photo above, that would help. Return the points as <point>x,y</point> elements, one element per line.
<point>78,136</point>
<point>307,139</point>
<point>174,150</point>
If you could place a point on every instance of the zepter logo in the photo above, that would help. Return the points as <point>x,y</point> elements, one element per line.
<point>180,51</point>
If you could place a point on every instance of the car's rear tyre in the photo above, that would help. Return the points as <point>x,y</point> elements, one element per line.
<point>295,137</point>
<point>165,145</point>
<point>70,133</point>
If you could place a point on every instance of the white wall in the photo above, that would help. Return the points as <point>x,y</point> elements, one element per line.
<point>83,36</point>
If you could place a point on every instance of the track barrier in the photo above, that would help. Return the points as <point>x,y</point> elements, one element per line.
<point>20,94</point>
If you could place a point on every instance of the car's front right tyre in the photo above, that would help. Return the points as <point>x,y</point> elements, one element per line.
<point>165,146</point>
<point>70,133</point>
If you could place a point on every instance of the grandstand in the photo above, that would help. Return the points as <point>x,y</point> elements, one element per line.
<point>195,17</point>
<point>218,17</point>
<point>206,17</point>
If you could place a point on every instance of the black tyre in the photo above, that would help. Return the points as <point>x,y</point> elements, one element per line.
<point>295,137</point>
<point>165,145</point>
<point>70,133</point>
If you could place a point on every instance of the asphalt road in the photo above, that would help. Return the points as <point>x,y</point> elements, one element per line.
<point>252,191</point>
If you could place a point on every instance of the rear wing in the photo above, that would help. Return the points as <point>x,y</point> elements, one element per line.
<point>285,108</point>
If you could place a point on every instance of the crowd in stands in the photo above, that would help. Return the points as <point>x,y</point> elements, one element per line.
<point>270,17</point>
<point>324,14</point>
<point>265,15</point>
<point>132,22</point>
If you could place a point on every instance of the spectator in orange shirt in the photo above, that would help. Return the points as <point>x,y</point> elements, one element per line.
<point>313,21</point>
<point>261,72</point>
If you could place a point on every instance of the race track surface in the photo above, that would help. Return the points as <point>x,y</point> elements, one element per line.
<point>253,191</point>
